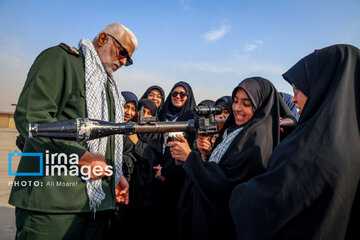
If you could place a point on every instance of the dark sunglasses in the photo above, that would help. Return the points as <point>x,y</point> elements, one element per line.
<point>123,51</point>
<point>182,94</point>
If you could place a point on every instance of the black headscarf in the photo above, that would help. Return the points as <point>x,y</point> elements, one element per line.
<point>225,101</point>
<point>146,137</point>
<point>147,103</point>
<point>267,105</point>
<point>145,95</point>
<point>130,97</point>
<point>311,189</point>
<point>203,211</point>
<point>168,110</point>
<point>206,102</point>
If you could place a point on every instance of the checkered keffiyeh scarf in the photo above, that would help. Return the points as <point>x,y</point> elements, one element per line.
<point>95,84</point>
<point>219,151</point>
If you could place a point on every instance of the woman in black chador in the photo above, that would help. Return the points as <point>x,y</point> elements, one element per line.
<point>311,188</point>
<point>247,139</point>
<point>178,106</point>
<point>141,189</point>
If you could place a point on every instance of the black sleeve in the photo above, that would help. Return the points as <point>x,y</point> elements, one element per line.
<point>128,158</point>
<point>213,180</point>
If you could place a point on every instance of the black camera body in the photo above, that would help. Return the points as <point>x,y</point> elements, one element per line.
<point>205,119</point>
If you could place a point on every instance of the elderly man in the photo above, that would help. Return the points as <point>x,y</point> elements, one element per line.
<point>71,196</point>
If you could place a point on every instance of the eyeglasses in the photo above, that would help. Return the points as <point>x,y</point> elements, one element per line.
<point>182,94</point>
<point>296,90</point>
<point>154,95</point>
<point>123,52</point>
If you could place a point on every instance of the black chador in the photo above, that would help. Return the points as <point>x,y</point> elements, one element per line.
<point>168,191</point>
<point>203,206</point>
<point>311,188</point>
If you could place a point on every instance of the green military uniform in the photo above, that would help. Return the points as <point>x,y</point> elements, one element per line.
<point>55,91</point>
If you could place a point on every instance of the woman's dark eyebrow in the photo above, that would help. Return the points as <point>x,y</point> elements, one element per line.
<point>244,99</point>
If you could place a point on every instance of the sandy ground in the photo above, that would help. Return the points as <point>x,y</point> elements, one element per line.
<point>7,219</point>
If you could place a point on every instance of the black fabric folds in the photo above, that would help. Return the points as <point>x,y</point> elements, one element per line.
<point>311,188</point>
<point>203,207</point>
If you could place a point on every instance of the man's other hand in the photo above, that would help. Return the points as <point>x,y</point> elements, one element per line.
<point>122,191</point>
<point>92,160</point>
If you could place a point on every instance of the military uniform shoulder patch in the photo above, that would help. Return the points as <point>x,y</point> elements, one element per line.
<point>70,49</point>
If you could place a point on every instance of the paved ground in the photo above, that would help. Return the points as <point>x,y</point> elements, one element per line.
<point>7,219</point>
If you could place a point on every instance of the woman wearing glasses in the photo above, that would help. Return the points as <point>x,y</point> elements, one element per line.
<point>169,176</point>
<point>155,94</point>
<point>179,103</point>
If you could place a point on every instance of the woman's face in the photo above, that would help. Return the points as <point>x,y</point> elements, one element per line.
<point>155,96</point>
<point>242,107</point>
<point>176,98</point>
<point>224,115</point>
<point>147,113</point>
<point>299,99</point>
<point>129,110</point>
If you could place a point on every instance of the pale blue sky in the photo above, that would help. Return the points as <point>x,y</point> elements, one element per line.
<point>212,45</point>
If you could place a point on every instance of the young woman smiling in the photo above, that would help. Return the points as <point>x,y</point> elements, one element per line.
<point>241,151</point>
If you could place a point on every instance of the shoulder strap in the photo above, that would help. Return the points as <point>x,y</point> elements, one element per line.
<point>70,49</point>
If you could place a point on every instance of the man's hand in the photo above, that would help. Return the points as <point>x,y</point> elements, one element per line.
<point>180,150</point>
<point>93,160</point>
<point>122,191</point>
